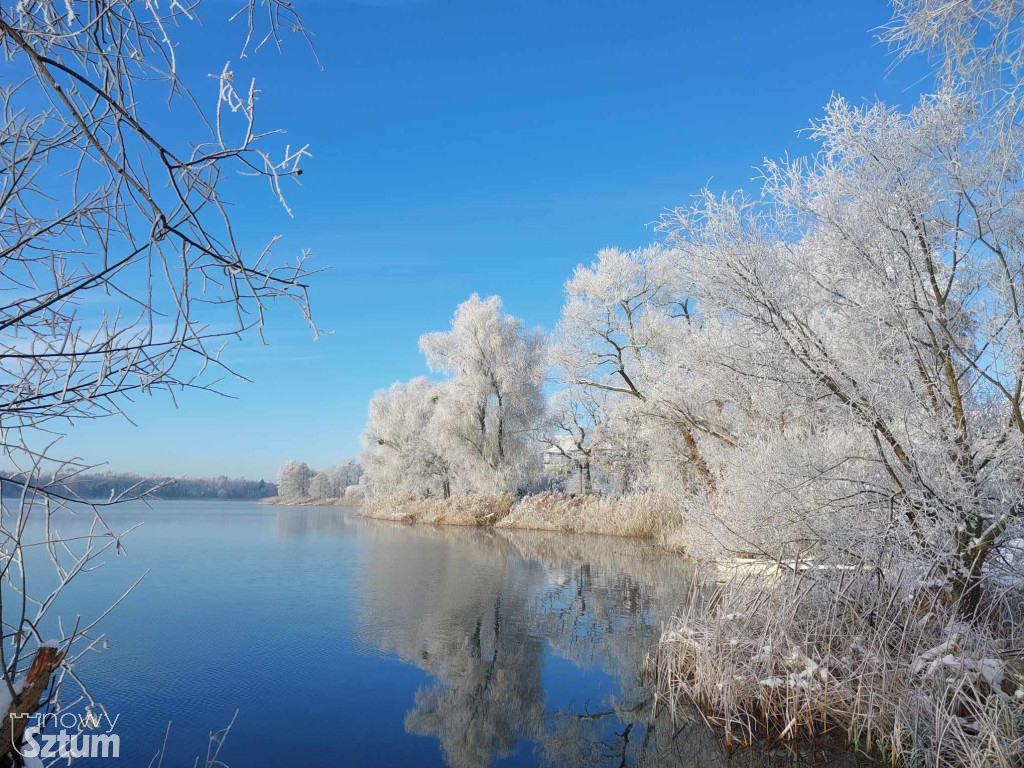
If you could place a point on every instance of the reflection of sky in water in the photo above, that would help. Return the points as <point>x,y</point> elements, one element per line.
<point>352,642</point>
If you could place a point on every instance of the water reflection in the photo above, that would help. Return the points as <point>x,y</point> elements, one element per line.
<point>397,645</point>
<point>534,645</point>
<point>295,522</point>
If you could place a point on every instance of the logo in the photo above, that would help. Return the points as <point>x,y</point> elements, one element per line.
<point>60,743</point>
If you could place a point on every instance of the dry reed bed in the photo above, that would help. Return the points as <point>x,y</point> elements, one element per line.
<point>458,510</point>
<point>640,516</point>
<point>835,650</point>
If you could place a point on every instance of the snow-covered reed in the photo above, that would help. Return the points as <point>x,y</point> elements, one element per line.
<point>640,515</point>
<point>476,509</point>
<point>882,660</point>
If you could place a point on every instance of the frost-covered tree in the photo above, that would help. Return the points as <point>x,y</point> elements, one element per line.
<point>293,480</point>
<point>331,483</point>
<point>575,430</point>
<point>401,442</point>
<point>976,46</point>
<point>296,480</point>
<point>882,280</point>
<point>342,475</point>
<point>320,487</point>
<point>490,405</point>
<point>122,274</point>
<point>630,328</point>
<point>628,454</point>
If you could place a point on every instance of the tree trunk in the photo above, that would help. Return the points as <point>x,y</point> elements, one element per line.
<point>973,546</point>
<point>702,467</point>
<point>25,703</point>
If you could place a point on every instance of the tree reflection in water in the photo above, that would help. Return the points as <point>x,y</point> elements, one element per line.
<point>483,612</point>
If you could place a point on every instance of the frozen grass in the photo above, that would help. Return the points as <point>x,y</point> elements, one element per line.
<point>839,651</point>
<point>481,509</point>
<point>641,515</point>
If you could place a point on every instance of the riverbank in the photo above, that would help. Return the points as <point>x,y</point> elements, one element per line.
<point>476,510</point>
<point>639,516</point>
<point>307,501</point>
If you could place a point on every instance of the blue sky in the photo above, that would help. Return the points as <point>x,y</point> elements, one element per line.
<point>465,146</point>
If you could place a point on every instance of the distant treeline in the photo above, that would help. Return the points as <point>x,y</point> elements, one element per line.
<point>106,484</point>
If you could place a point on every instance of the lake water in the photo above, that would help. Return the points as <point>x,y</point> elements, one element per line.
<point>351,642</point>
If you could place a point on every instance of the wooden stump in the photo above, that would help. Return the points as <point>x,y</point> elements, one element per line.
<point>27,701</point>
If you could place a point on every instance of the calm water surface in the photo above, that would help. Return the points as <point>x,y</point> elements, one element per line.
<point>351,642</point>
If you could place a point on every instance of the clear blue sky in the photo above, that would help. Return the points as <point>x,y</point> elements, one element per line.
<point>462,146</point>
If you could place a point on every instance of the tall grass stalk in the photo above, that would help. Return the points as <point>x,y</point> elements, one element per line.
<point>825,650</point>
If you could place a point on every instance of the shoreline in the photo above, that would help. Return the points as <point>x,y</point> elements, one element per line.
<point>642,517</point>
<point>278,501</point>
